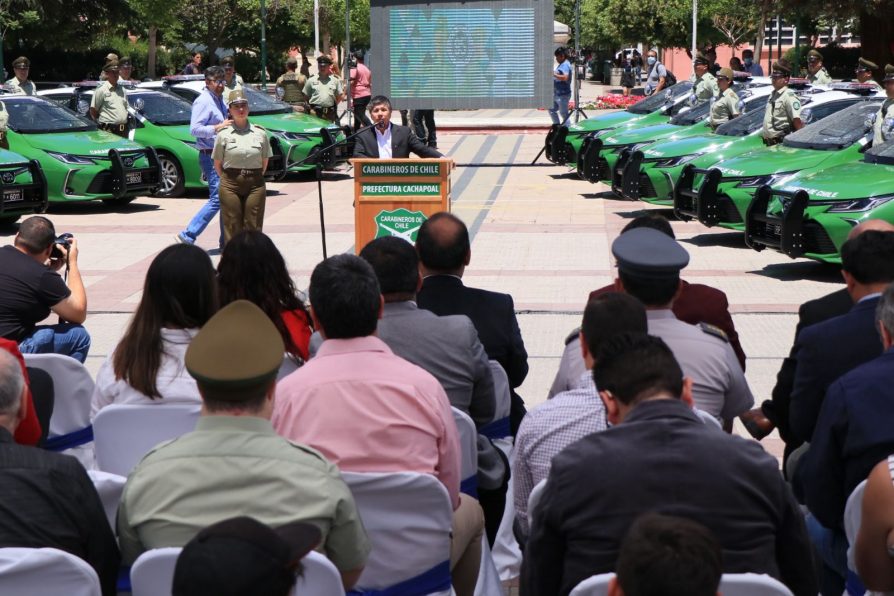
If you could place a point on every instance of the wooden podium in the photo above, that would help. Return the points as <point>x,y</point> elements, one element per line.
<point>393,197</point>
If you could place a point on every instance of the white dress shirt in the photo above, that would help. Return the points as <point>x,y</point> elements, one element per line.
<point>384,141</point>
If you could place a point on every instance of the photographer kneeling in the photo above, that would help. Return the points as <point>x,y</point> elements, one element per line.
<point>30,288</point>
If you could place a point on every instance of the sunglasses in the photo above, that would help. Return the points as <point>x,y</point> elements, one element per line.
<point>217,81</point>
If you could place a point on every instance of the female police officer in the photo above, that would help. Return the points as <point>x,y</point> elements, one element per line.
<point>240,157</point>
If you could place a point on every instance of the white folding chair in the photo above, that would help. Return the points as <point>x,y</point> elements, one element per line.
<point>319,578</point>
<point>853,514</point>
<point>468,440</point>
<point>506,552</point>
<point>125,433</point>
<point>749,584</point>
<point>152,574</point>
<point>498,428</point>
<point>109,486</point>
<point>70,429</point>
<point>46,572</point>
<point>408,518</point>
<point>595,585</point>
<point>534,500</point>
<point>489,583</point>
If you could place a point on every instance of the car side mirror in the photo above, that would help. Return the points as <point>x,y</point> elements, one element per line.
<point>806,115</point>
<point>280,92</point>
<point>693,100</point>
<point>139,104</point>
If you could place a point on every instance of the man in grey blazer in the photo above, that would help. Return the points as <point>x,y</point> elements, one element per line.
<point>446,347</point>
<point>387,140</point>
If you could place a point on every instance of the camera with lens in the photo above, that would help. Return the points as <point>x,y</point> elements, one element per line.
<point>64,240</point>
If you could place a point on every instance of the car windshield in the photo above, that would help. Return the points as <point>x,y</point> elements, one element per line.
<point>161,108</point>
<point>696,114</point>
<point>35,115</point>
<point>186,93</point>
<point>658,100</point>
<point>745,124</point>
<point>261,103</point>
<point>837,131</point>
<point>882,154</point>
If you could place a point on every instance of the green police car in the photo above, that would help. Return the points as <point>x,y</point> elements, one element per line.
<point>23,187</point>
<point>563,143</point>
<point>80,162</point>
<point>299,134</point>
<point>721,194</point>
<point>811,214</point>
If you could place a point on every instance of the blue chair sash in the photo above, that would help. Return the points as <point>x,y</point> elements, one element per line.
<point>123,583</point>
<point>853,585</point>
<point>436,579</point>
<point>469,486</point>
<point>69,440</point>
<point>498,429</point>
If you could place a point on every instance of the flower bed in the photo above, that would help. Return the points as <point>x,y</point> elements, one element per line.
<point>613,102</point>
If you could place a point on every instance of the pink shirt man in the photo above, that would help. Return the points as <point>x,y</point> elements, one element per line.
<point>360,81</point>
<point>368,410</point>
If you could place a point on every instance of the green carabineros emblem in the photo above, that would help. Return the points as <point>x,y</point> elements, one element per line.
<point>402,223</point>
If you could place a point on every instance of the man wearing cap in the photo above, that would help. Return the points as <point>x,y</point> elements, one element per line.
<point>649,265</point>
<point>125,69</point>
<point>232,81</point>
<point>816,72</point>
<point>783,111</point>
<point>209,116</point>
<point>368,410</point>
<point>292,84</point>
<point>883,127</point>
<point>234,463</point>
<point>753,68</point>
<point>111,56</point>
<point>864,72</point>
<point>324,91</point>
<point>109,106</point>
<point>242,556</point>
<point>726,107</point>
<point>20,84</point>
<point>705,85</point>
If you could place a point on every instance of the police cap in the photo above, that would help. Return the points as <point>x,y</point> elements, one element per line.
<point>111,56</point>
<point>889,72</point>
<point>236,96</point>
<point>21,61</point>
<point>125,62</point>
<point>649,254</point>
<point>725,73</point>
<point>701,59</point>
<point>111,65</point>
<point>864,64</point>
<point>782,66</point>
<point>228,61</point>
<point>324,61</point>
<point>814,56</point>
<point>238,348</point>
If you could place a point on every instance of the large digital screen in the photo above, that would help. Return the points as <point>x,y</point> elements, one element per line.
<point>462,55</point>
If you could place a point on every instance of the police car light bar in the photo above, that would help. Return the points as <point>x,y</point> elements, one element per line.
<point>94,84</point>
<point>182,78</point>
<point>853,87</point>
<point>740,75</point>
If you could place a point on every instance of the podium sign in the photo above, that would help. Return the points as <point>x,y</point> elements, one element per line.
<point>393,197</point>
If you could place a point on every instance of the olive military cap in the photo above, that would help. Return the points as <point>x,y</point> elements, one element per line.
<point>236,96</point>
<point>111,65</point>
<point>889,72</point>
<point>228,61</point>
<point>649,254</point>
<point>239,347</point>
<point>701,59</point>
<point>725,72</point>
<point>21,61</point>
<point>111,56</point>
<point>814,55</point>
<point>782,66</point>
<point>324,61</point>
<point>864,64</point>
<point>125,61</point>
<point>292,61</point>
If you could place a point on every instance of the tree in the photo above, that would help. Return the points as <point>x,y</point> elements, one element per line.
<point>738,23</point>
<point>155,15</point>
<point>14,14</point>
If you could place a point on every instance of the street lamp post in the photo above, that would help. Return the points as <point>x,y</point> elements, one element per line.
<point>347,69</point>
<point>263,45</point>
<point>694,30</point>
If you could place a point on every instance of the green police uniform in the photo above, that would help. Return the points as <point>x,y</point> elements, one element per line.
<point>883,128</point>
<point>15,87</point>
<point>323,95</point>
<point>110,104</point>
<point>4,125</point>
<point>235,83</point>
<point>820,78</point>
<point>705,86</point>
<point>783,106</point>
<point>241,149</point>
<point>292,84</point>
<point>725,108</point>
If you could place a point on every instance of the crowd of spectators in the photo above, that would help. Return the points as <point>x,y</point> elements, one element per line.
<point>632,459</point>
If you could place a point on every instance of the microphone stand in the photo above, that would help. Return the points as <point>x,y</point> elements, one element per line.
<point>322,156</point>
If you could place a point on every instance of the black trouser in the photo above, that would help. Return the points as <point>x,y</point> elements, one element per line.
<point>360,117</point>
<point>43,397</point>
<point>424,123</point>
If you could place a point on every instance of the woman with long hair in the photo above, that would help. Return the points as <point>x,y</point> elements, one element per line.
<point>179,296</point>
<point>252,268</point>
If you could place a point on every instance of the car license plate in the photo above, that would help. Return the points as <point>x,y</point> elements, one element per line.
<point>134,177</point>
<point>13,195</point>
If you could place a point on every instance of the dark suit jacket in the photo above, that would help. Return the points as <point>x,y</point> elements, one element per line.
<point>699,303</point>
<point>826,351</point>
<point>403,141</point>
<point>853,434</point>
<point>663,458</point>
<point>810,313</point>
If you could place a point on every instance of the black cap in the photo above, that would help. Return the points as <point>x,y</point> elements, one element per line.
<point>782,66</point>
<point>242,556</point>
<point>324,61</point>
<point>701,59</point>
<point>889,72</point>
<point>649,254</point>
<point>864,64</point>
<point>228,61</point>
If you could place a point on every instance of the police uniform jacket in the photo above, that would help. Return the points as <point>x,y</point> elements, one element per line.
<point>110,104</point>
<point>16,88</point>
<point>820,78</point>
<point>705,86</point>
<point>245,148</point>
<point>323,93</point>
<point>234,84</point>
<point>663,458</point>
<point>725,108</point>
<point>783,106</point>
<point>292,84</point>
<point>883,128</point>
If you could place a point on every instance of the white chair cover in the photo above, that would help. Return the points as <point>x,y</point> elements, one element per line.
<point>152,574</point>
<point>506,552</point>
<point>596,585</point>
<point>109,486</point>
<point>125,433</point>
<point>320,577</point>
<point>468,440</point>
<point>45,572</point>
<point>72,392</point>
<point>489,583</point>
<point>408,518</point>
<point>749,584</point>
<point>534,500</point>
<point>502,392</point>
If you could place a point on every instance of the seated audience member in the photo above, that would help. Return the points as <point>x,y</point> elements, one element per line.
<point>874,550</point>
<point>30,288</point>
<point>243,557</point>
<point>444,253</point>
<point>658,456</point>
<point>234,463</point>
<point>368,410</point>
<point>667,556</point>
<point>252,268</point>
<point>46,499</point>
<point>179,296</point>
<point>853,433</point>
<point>30,430</point>
<point>571,415</point>
<point>447,347</point>
<point>829,349</point>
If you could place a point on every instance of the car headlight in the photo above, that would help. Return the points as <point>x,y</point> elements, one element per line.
<point>638,146</point>
<point>866,204</point>
<point>676,161</point>
<point>72,159</point>
<point>769,179</point>
<point>294,136</point>
<point>192,144</point>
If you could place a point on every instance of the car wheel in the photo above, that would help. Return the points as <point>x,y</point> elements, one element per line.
<point>171,183</point>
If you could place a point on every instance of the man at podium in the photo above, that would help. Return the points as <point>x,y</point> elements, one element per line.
<point>386,140</point>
